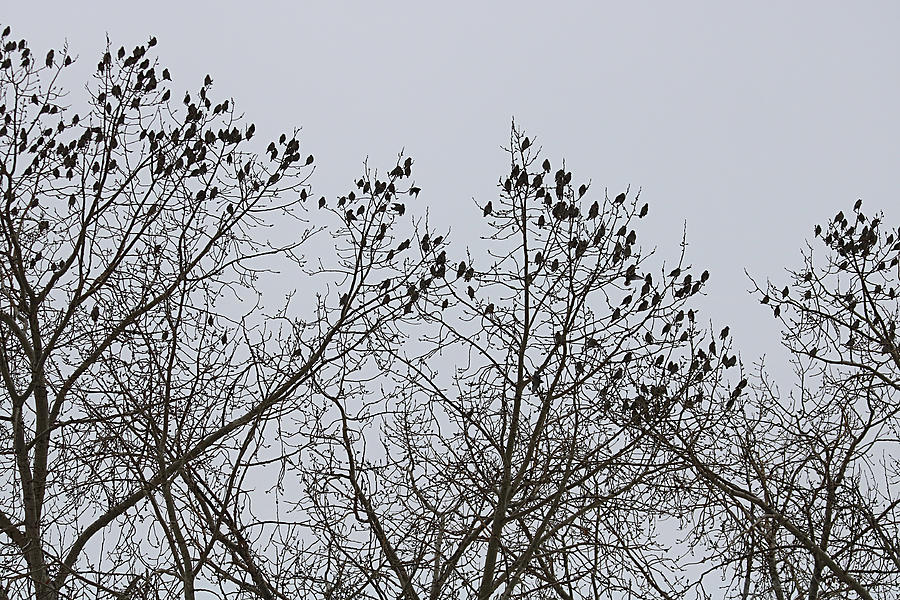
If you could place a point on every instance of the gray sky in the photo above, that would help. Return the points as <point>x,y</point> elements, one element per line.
<point>749,123</point>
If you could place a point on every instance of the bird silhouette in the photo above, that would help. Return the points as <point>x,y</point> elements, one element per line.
<point>644,210</point>
<point>594,210</point>
<point>488,208</point>
<point>322,202</point>
<point>471,292</point>
<point>95,313</point>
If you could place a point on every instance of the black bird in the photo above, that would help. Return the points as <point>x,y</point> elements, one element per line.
<point>322,202</point>
<point>704,276</point>
<point>785,292</point>
<point>414,191</point>
<point>620,198</point>
<point>95,313</point>
<point>560,211</point>
<point>581,190</point>
<point>818,229</point>
<point>538,258</point>
<point>546,165</point>
<point>489,309</point>
<point>644,209</point>
<point>49,61</point>
<point>470,273</point>
<point>444,304</point>
<point>536,382</point>
<point>471,292</point>
<point>554,265</point>
<point>724,333</point>
<point>400,208</point>
<point>855,206</point>
<point>461,269</point>
<point>542,221</point>
<point>350,216</point>
<point>488,208</point>
<point>675,272</point>
<point>594,210</point>
<point>525,143</point>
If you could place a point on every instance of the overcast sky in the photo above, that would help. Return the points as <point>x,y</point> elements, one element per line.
<point>749,123</point>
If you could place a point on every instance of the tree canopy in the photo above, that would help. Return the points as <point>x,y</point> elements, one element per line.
<point>542,413</point>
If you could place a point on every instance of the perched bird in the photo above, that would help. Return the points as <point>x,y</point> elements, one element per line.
<point>49,61</point>
<point>470,273</point>
<point>542,221</point>
<point>488,208</point>
<point>620,198</point>
<point>594,210</point>
<point>546,165</point>
<point>489,309</point>
<point>322,202</point>
<point>400,208</point>
<point>644,209</point>
<point>724,333</point>
<point>461,269</point>
<point>444,304</point>
<point>471,292</point>
<point>95,313</point>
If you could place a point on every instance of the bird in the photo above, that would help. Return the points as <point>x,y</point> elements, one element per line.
<point>444,304</point>
<point>400,208</point>
<point>322,202</point>
<point>644,210</point>
<point>95,313</point>
<point>461,269</point>
<point>546,165</point>
<point>488,208</point>
<point>489,309</point>
<point>470,273</point>
<point>594,210</point>
<point>620,198</point>
<point>471,292</point>
<point>49,61</point>
<point>724,333</point>
<point>541,221</point>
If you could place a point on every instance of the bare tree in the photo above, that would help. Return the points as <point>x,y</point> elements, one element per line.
<point>142,380</point>
<point>806,481</point>
<point>501,446</point>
